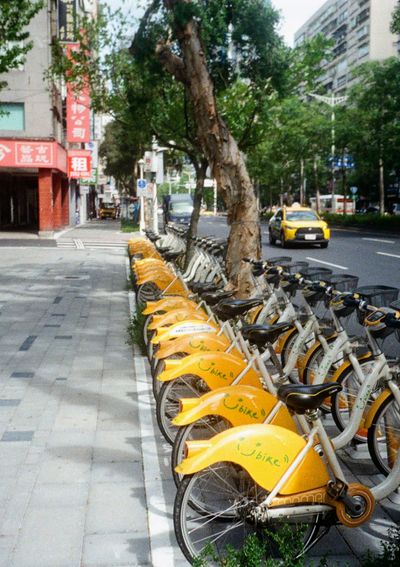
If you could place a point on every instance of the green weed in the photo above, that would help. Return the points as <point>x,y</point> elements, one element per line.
<point>135,330</point>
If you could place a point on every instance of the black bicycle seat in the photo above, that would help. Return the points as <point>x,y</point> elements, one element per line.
<point>213,297</point>
<point>301,397</point>
<point>171,255</point>
<point>260,335</point>
<point>201,287</point>
<point>230,308</point>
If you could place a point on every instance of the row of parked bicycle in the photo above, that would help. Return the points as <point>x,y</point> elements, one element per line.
<point>242,388</point>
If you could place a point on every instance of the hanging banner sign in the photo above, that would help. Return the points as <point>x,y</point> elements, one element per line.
<point>67,20</point>
<point>78,109</point>
<point>79,164</point>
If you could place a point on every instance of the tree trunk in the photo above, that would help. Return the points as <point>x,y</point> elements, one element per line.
<point>222,152</point>
<point>201,168</point>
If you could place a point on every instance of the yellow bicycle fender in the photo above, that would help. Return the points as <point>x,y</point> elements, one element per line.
<point>166,304</point>
<point>237,404</point>
<point>282,340</point>
<point>186,328</point>
<point>190,344</point>
<point>175,317</point>
<point>374,407</point>
<point>253,314</point>
<point>264,451</point>
<point>216,369</point>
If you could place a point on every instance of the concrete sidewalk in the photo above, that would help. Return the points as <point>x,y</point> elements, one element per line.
<point>84,473</point>
<point>72,488</point>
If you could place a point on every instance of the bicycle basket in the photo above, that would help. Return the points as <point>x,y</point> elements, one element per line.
<point>295,267</point>
<point>343,282</point>
<point>315,274</point>
<point>279,260</point>
<point>376,295</point>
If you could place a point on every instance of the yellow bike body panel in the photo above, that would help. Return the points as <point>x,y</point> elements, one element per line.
<point>264,451</point>
<point>176,316</point>
<point>237,404</point>
<point>190,344</point>
<point>374,407</point>
<point>168,303</point>
<point>216,369</point>
<point>283,338</point>
<point>189,327</point>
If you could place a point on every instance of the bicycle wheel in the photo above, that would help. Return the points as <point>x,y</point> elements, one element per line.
<point>167,406</point>
<point>147,292</point>
<point>313,363</point>
<point>215,507</point>
<point>204,428</point>
<point>289,343</point>
<point>344,401</point>
<point>158,367</point>
<point>384,435</point>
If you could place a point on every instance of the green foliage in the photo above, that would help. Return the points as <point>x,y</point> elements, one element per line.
<point>254,553</point>
<point>128,226</point>
<point>135,329</point>
<point>375,221</point>
<point>14,17</point>
<point>395,23</point>
<point>390,555</point>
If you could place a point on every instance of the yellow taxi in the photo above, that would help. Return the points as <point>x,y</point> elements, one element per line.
<point>298,225</point>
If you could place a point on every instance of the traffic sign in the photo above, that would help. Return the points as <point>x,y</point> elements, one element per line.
<point>354,190</point>
<point>141,187</point>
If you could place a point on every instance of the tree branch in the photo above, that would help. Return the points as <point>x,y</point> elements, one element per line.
<point>171,62</point>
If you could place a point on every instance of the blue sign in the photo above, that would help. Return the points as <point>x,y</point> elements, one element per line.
<point>141,184</point>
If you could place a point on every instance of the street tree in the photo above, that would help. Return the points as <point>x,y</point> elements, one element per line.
<point>14,37</point>
<point>206,46</point>
<point>374,117</point>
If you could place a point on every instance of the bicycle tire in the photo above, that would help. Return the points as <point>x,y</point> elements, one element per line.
<point>167,402</point>
<point>343,402</point>
<point>384,435</point>
<point>314,360</point>
<point>158,366</point>
<point>204,428</point>
<point>214,506</point>
<point>288,345</point>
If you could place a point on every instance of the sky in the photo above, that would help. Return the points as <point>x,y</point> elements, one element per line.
<point>294,13</point>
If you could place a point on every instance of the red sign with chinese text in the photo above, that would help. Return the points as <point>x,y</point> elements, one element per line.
<point>78,109</point>
<point>79,164</point>
<point>29,154</point>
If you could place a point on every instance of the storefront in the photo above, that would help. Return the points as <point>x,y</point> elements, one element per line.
<point>34,193</point>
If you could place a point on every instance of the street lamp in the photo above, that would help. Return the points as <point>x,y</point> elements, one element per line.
<point>332,101</point>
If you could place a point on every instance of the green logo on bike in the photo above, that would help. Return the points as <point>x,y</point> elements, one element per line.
<point>236,404</point>
<point>257,454</point>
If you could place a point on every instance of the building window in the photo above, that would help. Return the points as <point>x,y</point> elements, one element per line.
<point>363,50</point>
<point>12,116</point>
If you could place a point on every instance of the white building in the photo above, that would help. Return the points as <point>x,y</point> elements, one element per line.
<point>361,32</point>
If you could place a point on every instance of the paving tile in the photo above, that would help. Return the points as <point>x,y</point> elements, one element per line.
<point>116,549</point>
<point>50,537</point>
<point>28,342</point>
<point>59,495</point>
<point>10,436</point>
<point>9,402</point>
<point>22,375</point>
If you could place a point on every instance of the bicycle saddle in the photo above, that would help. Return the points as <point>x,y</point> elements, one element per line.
<point>213,297</point>
<point>171,255</point>
<point>260,335</point>
<point>230,308</point>
<point>201,287</point>
<point>300,397</point>
<point>163,249</point>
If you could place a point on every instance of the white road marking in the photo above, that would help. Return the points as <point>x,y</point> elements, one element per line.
<point>78,243</point>
<point>159,528</point>
<point>386,254</point>
<point>327,263</point>
<point>380,240</point>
